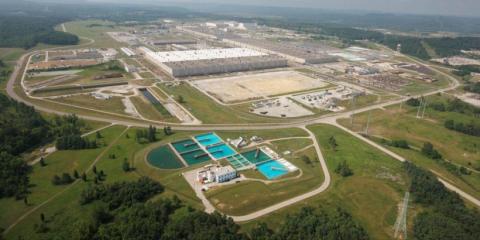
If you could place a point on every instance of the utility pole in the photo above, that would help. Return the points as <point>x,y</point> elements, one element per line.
<point>419,107</point>
<point>424,107</point>
<point>368,122</point>
<point>353,111</point>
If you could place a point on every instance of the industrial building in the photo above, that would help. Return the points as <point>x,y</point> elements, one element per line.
<point>303,53</point>
<point>211,174</point>
<point>212,61</point>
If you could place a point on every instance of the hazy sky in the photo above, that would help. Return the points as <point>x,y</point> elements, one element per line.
<point>441,7</point>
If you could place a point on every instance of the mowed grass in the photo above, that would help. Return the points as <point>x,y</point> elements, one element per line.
<point>97,33</point>
<point>113,105</point>
<point>371,195</point>
<point>264,134</point>
<point>395,123</point>
<point>148,111</point>
<point>209,111</point>
<point>57,163</point>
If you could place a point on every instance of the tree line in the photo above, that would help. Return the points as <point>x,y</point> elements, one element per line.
<point>465,128</point>
<point>451,105</point>
<point>445,215</point>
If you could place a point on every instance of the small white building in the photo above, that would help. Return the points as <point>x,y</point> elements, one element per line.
<point>225,174</point>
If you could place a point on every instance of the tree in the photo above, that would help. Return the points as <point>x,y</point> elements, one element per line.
<point>414,102</point>
<point>98,135</point>
<point>14,179</point>
<point>84,177</point>
<point>333,143</point>
<point>42,217</point>
<point>261,232</point>
<point>343,169</point>
<point>306,160</point>
<point>64,179</point>
<point>430,152</point>
<point>167,130</point>
<point>180,99</point>
<point>75,174</point>
<point>126,166</point>
<point>42,162</point>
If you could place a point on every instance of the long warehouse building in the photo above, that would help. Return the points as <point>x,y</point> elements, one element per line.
<point>212,61</point>
<point>298,52</point>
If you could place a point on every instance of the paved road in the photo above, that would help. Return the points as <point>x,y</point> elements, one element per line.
<point>328,119</point>
<point>298,198</point>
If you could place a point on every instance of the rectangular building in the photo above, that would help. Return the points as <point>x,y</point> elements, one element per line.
<point>212,61</point>
<point>225,174</point>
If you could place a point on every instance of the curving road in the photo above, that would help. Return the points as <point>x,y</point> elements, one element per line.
<point>327,119</point>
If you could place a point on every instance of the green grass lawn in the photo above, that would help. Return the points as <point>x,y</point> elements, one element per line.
<point>149,111</point>
<point>57,163</point>
<point>456,147</point>
<point>209,111</point>
<point>113,105</point>
<point>264,134</point>
<point>97,33</point>
<point>371,195</point>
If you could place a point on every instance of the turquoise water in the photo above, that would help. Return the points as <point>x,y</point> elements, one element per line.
<point>221,151</point>
<point>250,156</point>
<point>208,139</point>
<point>194,157</point>
<point>185,145</point>
<point>163,157</point>
<point>238,161</point>
<point>272,169</point>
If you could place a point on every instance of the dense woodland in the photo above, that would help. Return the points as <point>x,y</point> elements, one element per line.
<point>445,215</point>
<point>4,71</point>
<point>28,31</point>
<point>21,130</point>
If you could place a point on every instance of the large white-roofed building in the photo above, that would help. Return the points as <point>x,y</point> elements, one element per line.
<point>212,61</point>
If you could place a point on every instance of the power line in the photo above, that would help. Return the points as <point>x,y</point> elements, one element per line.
<point>400,227</point>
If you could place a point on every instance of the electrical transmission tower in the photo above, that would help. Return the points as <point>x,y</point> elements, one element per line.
<point>368,122</point>
<point>421,108</point>
<point>400,226</point>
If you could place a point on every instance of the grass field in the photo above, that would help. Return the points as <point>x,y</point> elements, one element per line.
<point>97,33</point>
<point>42,189</point>
<point>395,124</point>
<point>370,195</point>
<point>113,104</point>
<point>149,111</point>
<point>209,111</point>
<point>382,192</point>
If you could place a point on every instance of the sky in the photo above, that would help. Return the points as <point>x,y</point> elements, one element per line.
<point>432,7</point>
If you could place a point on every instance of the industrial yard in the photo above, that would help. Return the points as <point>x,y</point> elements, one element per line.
<point>257,86</point>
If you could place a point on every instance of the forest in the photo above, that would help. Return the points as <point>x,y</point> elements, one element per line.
<point>22,129</point>
<point>445,215</point>
<point>4,71</point>
<point>27,31</point>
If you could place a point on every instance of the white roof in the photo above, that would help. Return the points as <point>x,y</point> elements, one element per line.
<point>225,170</point>
<point>203,54</point>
